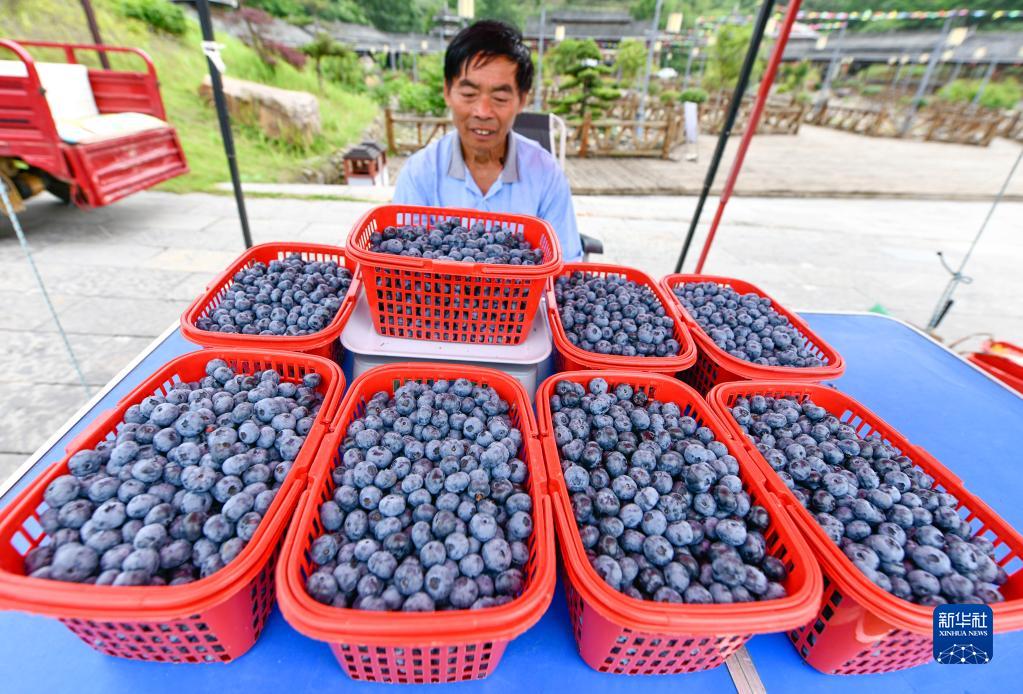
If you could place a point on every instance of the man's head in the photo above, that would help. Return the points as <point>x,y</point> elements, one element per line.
<point>487,75</point>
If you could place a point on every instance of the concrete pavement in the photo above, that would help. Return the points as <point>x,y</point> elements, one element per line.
<point>120,275</point>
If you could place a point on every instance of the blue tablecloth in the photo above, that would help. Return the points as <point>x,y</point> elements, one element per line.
<point>966,420</point>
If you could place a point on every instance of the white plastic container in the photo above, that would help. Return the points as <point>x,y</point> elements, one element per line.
<point>530,362</point>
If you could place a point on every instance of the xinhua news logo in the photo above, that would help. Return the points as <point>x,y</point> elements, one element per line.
<point>963,634</point>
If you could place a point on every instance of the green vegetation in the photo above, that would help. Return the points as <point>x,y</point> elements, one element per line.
<point>569,53</point>
<point>181,68</point>
<point>997,95</point>
<point>697,96</point>
<point>585,86</point>
<point>306,11</point>
<point>159,14</point>
<point>798,77</point>
<point>725,57</point>
<point>425,97</point>
<point>630,60</point>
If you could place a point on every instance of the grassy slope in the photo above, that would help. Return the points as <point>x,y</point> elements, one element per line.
<point>181,66</point>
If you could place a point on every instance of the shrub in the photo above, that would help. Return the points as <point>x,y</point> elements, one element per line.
<point>292,56</point>
<point>697,96</point>
<point>158,14</point>
<point>997,95</point>
<point>669,97</point>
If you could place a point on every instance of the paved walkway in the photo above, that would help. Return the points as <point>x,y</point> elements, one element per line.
<point>819,162</point>
<point>120,275</point>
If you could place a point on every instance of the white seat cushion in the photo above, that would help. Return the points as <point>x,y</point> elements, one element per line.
<point>106,126</point>
<point>68,91</point>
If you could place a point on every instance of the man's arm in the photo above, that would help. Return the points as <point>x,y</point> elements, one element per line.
<point>557,208</point>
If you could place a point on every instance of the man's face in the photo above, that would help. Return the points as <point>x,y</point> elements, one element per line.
<point>484,101</point>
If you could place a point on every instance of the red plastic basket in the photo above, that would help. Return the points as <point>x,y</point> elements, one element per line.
<point>715,365</point>
<point>573,358</point>
<point>446,300</point>
<point>399,647</point>
<point>215,619</point>
<point>322,343</point>
<point>862,628</point>
<point>619,634</point>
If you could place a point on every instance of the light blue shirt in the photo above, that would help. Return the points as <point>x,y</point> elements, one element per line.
<point>531,183</point>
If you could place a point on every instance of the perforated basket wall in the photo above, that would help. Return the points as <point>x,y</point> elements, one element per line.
<point>609,647</point>
<point>399,647</point>
<point>322,343</point>
<point>714,365</point>
<point>861,628</point>
<point>451,301</point>
<point>617,633</point>
<point>215,619</point>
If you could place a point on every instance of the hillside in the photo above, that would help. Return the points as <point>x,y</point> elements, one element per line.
<point>181,67</point>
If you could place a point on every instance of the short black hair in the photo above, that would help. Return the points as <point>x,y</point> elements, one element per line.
<point>484,41</point>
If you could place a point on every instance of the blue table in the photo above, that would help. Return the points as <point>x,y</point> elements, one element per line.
<point>915,384</point>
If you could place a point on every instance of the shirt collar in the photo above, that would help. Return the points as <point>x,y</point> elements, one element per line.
<point>509,174</point>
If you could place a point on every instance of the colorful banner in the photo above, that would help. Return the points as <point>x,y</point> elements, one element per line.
<point>869,16</point>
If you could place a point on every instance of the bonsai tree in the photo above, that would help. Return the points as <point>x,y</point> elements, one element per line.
<point>585,86</point>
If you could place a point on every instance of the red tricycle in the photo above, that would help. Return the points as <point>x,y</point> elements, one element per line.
<point>88,135</point>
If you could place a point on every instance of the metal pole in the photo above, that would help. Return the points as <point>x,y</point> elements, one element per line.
<point>836,53</point>
<point>956,69</point>
<point>733,111</point>
<point>649,60</point>
<point>90,17</point>
<point>203,9</point>
<point>8,207</point>
<point>945,302</point>
<point>751,127</point>
<point>538,90</point>
<point>898,76</point>
<point>983,84</point>
<point>689,64</point>
<point>921,91</point>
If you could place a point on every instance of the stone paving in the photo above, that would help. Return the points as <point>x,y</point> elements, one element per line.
<point>119,276</point>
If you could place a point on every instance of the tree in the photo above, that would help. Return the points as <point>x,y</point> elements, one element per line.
<point>630,60</point>
<point>726,55</point>
<point>511,11</point>
<point>570,52</point>
<point>400,16</point>
<point>322,47</point>
<point>586,89</point>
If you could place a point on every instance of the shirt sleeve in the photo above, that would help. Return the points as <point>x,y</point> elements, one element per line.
<point>556,207</point>
<point>408,190</point>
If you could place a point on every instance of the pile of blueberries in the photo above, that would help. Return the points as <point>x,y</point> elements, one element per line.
<point>449,240</point>
<point>182,487</point>
<point>658,501</point>
<point>283,297</point>
<point>881,510</point>
<point>614,315</point>
<point>430,509</point>
<point>746,326</point>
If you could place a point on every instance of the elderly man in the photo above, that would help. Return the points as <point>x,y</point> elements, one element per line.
<point>483,164</point>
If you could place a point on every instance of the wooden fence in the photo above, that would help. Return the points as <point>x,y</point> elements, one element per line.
<point>781,116</point>
<point>407,133</point>
<point>656,136</point>
<point>940,122</point>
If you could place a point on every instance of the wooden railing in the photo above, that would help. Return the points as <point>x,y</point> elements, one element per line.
<point>407,134</point>
<point>656,136</point>
<point>875,120</point>
<point>780,116</point>
<point>613,137</point>
<point>962,126</point>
